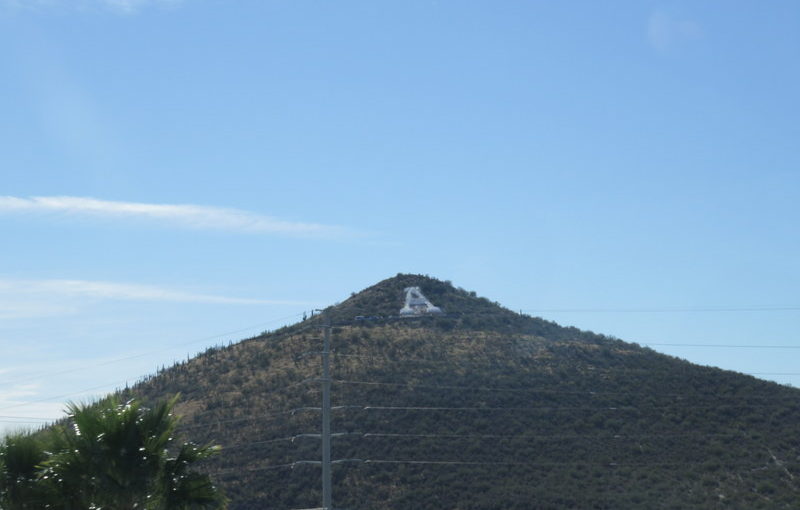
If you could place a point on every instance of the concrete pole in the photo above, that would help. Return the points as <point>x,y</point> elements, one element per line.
<point>327,490</point>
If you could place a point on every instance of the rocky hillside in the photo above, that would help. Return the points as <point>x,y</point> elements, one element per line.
<point>482,408</point>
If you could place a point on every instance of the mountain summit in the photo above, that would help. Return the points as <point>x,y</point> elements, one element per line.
<point>478,407</point>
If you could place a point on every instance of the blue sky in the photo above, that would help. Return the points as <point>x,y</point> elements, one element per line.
<point>177,174</point>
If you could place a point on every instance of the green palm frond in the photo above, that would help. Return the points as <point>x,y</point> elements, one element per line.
<point>111,454</point>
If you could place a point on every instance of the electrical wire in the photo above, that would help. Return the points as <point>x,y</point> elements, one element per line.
<point>148,353</point>
<point>236,406</point>
<point>556,464</point>
<point>24,422</point>
<point>28,418</point>
<point>453,361</point>
<point>416,386</point>
<point>724,346</point>
<point>286,439</point>
<point>275,415</point>
<point>56,397</point>
<point>593,437</point>
<point>264,416</point>
<point>47,399</point>
<point>690,309</point>
<point>610,464</point>
<point>563,408</point>
<point>497,437</point>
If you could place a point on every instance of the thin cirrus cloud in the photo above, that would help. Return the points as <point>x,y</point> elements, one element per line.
<point>13,308</point>
<point>120,6</point>
<point>119,291</point>
<point>666,32</point>
<point>178,215</point>
<point>128,6</point>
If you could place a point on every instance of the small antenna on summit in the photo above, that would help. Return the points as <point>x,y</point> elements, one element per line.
<point>418,304</point>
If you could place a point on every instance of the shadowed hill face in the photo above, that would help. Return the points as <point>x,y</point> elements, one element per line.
<point>482,409</point>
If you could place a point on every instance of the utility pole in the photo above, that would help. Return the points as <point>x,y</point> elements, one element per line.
<point>326,418</point>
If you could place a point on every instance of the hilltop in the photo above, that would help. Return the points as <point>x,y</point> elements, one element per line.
<point>481,408</point>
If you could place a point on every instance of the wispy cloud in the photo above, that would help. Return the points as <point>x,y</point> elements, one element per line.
<point>178,215</point>
<point>26,289</point>
<point>20,391</point>
<point>20,410</point>
<point>129,6</point>
<point>120,6</point>
<point>16,309</point>
<point>665,32</point>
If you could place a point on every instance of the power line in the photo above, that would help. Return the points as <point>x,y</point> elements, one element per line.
<point>148,353</point>
<point>593,437</point>
<point>262,468</point>
<point>499,437</point>
<point>56,397</point>
<point>24,422</point>
<point>425,360</point>
<point>453,361</point>
<point>557,464</point>
<point>28,418</point>
<point>688,309</point>
<point>437,387</point>
<point>723,346</point>
<point>305,381</point>
<point>415,386</point>
<point>259,443</point>
<point>325,463</point>
<point>276,414</point>
<point>474,409</point>
<point>47,399</point>
<point>234,420</point>
<point>287,465</point>
<point>443,361</point>
<point>611,464</point>
<point>272,390</point>
<point>560,408</point>
<point>285,439</point>
<point>705,345</point>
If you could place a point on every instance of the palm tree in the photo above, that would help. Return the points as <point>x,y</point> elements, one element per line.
<point>110,455</point>
<point>181,489</point>
<point>20,457</point>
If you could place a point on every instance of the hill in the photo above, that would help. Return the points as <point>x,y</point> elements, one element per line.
<point>481,408</point>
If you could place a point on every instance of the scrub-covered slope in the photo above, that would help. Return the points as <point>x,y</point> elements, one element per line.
<point>482,408</point>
